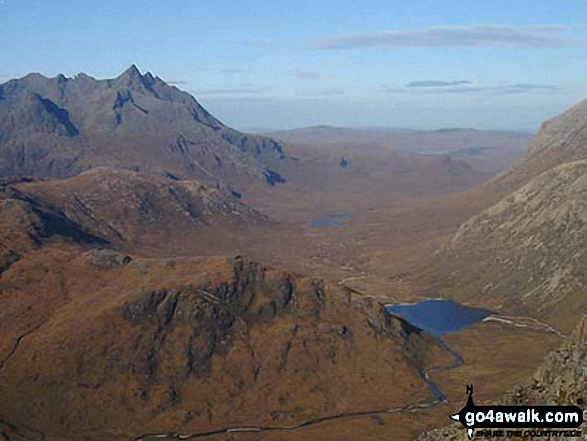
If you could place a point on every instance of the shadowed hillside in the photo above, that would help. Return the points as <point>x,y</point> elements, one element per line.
<point>128,207</point>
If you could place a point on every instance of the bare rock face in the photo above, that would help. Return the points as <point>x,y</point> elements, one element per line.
<point>59,127</point>
<point>208,314</point>
<point>108,259</point>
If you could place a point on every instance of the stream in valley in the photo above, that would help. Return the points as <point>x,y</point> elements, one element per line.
<point>436,317</point>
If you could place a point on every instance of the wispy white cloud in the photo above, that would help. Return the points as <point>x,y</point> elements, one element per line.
<point>530,87</point>
<point>434,83</point>
<point>547,36</point>
<point>235,91</point>
<point>178,83</point>
<point>465,87</point>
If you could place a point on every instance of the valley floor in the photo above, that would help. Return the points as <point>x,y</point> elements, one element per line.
<point>372,255</point>
<point>371,251</point>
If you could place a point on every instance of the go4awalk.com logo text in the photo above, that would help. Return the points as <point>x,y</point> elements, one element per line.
<point>519,421</point>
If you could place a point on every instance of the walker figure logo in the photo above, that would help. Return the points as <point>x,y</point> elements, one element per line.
<point>544,418</point>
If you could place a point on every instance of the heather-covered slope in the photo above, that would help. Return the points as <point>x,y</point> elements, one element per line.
<point>132,346</point>
<point>120,205</point>
<point>122,208</point>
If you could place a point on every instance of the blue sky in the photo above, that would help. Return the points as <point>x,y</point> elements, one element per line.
<point>280,64</point>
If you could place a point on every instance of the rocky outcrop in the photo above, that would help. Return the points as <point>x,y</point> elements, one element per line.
<point>108,259</point>
<point>7,258</point>
<point>189,345</point>
<point>208,315</point>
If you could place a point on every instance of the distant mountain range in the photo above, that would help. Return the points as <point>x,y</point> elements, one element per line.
<point>59,127</point>
<point>484,150</point>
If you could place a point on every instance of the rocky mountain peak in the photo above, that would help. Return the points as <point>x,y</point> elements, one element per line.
<point>561,140</point>
<point>135,121</point>
<point>132,79</point>
<point>130,73</point>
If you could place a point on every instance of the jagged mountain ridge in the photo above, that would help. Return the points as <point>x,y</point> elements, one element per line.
<point>58,127</point>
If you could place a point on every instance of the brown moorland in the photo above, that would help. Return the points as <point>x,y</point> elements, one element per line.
<point>123,316</point>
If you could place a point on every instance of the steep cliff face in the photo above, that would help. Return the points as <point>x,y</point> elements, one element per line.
<point>560,140</point>
<point>58,127</point>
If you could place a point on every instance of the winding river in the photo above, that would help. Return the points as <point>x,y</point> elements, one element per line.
<point>439,397</point>
<point>436,317</point>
